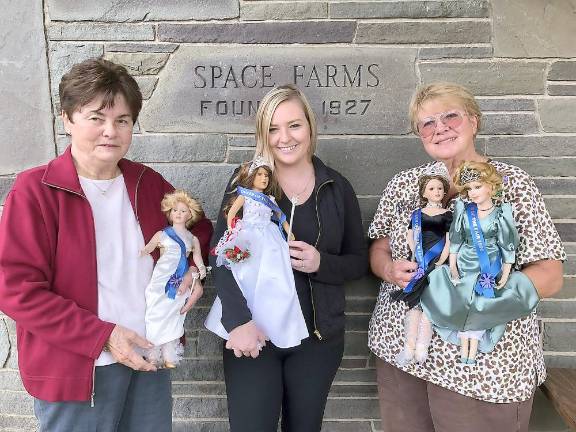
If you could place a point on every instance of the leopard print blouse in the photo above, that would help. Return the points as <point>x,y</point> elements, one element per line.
<point>510,372</point>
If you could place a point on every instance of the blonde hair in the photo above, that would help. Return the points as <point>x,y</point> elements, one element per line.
<point>179,196</point>
<point>444,90</point>
<point>265,112</point>
<point>488,174</point>
<point>423,182</point>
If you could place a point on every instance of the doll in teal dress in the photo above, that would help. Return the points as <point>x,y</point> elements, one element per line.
<point>472,299</point>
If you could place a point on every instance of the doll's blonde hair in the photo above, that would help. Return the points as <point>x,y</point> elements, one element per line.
<point>265,112</point>
<point>488,174</point>
<point>423,182</point>
<point>245,178</point>
<point>455,93</point>
<point>179,196</point>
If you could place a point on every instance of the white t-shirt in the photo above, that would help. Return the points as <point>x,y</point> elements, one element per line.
<point>122,273</point>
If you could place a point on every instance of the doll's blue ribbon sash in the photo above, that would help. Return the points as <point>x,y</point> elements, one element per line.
<point>423,259</point>
<point>278,215</point>
<point>486,281</point>
<point>176,279</point>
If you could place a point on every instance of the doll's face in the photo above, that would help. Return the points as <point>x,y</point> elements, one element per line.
<point>434,191</point>
<point>479,192</point>
<point>261,180</point>
<point>180,213</point>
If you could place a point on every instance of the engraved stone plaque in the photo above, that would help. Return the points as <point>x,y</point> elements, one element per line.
<point>218,89</point>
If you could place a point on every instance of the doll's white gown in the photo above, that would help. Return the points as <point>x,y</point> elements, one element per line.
<point>164,323</point>
<point>265,279</point>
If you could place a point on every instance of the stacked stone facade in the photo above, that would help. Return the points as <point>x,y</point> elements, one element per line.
<point>202,67</point>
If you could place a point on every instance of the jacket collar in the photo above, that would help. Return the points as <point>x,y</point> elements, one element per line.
<point>321,171</point>
<point>61,173</point>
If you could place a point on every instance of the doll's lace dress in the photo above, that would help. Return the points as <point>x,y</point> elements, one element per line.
<point>265,278</point>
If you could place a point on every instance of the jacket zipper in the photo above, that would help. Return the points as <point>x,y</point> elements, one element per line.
<point>316,331</point>
<point>93,392</point>
<point>136,196</point>
<point>93,385</point>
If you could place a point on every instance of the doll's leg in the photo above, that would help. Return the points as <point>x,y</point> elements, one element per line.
<point>474,341</point>
<point>464,344</point>
<point>411,323</point>
<point>473,351</point>
<point>172,352</point>
<point>154,356</point>
<point>423,339</point>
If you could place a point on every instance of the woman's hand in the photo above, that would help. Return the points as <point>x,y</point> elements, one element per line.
<point>246,340</point>
<point>304,257</point>
<point>121,345</point>
<point>398,272</point>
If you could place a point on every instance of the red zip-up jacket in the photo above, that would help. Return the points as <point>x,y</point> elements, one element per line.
<point>48,280</point>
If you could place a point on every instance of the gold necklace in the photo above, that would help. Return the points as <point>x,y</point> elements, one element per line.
<point>295,198</point>
<point>102,190</point>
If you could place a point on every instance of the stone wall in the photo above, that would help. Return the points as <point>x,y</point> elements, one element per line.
<point>202,67</point>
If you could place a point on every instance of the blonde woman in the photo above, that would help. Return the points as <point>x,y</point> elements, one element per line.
<point>261,379</point>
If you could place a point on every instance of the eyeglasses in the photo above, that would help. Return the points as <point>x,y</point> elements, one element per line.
<point>428,126</point>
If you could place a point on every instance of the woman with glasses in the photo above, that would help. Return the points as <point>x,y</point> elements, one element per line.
<point>442,394</point>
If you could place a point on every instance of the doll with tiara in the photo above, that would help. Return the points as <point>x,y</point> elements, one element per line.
<point>255,250</point>
<point>428,241</point>
<point>478,293</point>
<point>164,321</point>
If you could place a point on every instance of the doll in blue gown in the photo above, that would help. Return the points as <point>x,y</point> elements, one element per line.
<point>473,298</point>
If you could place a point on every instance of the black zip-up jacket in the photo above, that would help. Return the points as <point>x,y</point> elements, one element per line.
<point>343,256</point>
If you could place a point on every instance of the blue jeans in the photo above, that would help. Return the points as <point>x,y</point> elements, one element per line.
<point>125,400</point>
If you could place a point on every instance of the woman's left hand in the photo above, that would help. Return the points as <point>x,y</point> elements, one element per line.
<point>304,257</point>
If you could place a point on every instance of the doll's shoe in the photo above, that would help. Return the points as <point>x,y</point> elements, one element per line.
<point>405,357</point>
<point>471,361</point>
<point>169,365</point>
<point>463,360</point>
<point>421,353</point>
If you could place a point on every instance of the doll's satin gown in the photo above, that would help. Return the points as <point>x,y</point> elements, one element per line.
<point>434,229</point>
<point>452,308</point>
<point>265,279</point>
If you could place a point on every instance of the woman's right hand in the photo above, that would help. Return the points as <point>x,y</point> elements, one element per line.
<point>246,339</point>
<point>399,272</point>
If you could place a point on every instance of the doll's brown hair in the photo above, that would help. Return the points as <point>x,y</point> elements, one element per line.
<point>171,199</point>
<point>423,181</point>
<point>245,178</point>
<point>488,174</point>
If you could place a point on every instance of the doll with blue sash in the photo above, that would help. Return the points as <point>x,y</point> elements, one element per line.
<point>255,250</point>
<point>427,238</point>
<point>164,299</point>
<point>478,293</point>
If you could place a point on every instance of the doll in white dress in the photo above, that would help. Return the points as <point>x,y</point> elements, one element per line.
<point>164,321</point>
<point>255,250</point>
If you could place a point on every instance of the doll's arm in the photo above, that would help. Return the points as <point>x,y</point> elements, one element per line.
<point>197,257</point>
<point>454,266</point>
<point>152,244</point>
<point>286,227</point>
<point>445,252</point>
<point>236,205</point>
<point>410,240</point>
<point>506,268</point>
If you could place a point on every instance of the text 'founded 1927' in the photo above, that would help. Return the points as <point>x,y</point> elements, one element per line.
<point>207,89</point>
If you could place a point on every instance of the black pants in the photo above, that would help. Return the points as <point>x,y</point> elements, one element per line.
<point>296,380</point>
